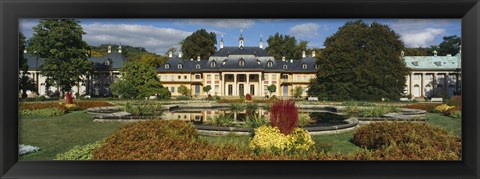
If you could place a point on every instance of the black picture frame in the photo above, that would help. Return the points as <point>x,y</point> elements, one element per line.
<point>11,11</point>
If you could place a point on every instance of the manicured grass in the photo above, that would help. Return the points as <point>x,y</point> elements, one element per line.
<point>340,142</point>
<point>59,134</point>
<point>451,124</point>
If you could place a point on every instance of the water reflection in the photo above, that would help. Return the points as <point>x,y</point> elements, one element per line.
<point>200,116</point>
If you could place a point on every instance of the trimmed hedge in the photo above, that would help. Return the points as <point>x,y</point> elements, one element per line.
<point>84,152</point>
<point>402,140</point>
<point>46,112</point>
<point>429,107</point>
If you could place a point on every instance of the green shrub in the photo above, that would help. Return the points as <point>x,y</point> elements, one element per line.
<point>377,111</point>
<point>84,152</point>
<point>216,97</point>
<point>269,139</point>
<point>255,121</point>
<point>304,119</point>
<point>144,108</point>
<point>236,107</point>
<point>45,112</point>
<point>183,98</point>
<point>411,140</point>
<point>352,107</point>
<point>429,107</point>
<point>251,106</point>
<point>456,114</point>
<point>221,120</point>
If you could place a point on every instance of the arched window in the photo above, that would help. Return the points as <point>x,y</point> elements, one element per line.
<point>167,66</point>
<point>284,66</point>
<point>269,64</point>
<point>179,66</point>
<point>197,66</point>
<point>304,66</point>
<point>213,64</point>
<point>316,66</point>
<point>241,63</point>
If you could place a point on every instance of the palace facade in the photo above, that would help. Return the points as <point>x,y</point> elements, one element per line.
<point>242,70</point>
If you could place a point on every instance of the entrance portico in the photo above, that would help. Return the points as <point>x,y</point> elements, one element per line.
<point>242,83</point>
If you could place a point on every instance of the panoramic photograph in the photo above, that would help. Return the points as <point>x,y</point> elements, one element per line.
<point>240,89</point>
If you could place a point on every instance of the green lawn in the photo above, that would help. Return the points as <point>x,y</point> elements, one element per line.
<point>59,134</point>
<point>448,123</point>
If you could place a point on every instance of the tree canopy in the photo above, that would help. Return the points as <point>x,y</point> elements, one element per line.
<point>285,46</point>
<point>449,45</point>
<point>138,80</point>
<point>24,81</point>
<point>200,43</point>
<point>360,62</point>
<point>59,42</point>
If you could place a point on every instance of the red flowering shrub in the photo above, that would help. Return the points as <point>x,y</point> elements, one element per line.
<point>42,105</point>
<point>83,105</point>
<point>455,101</point>
<point>248,97</point>
<point>408,141</point>
<point>284,116</point>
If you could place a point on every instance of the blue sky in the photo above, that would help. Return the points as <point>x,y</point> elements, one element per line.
<point>157,35</point>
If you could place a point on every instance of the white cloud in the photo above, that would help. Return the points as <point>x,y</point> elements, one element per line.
<point>420,32</point>
<point>223,23</point>
<point>306,30</point>
<point>423,38</point>
<point>152,38</point>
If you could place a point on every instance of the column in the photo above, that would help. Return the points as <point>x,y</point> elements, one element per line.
<point>422,92</point>
<point>248,83</point>
<point>235,84</point>
<point>410,84</point>
<point>222,86</point>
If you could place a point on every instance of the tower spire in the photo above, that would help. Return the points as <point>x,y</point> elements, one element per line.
<point>241,40</point>
<point>221,42</point>
<point>260,44</point>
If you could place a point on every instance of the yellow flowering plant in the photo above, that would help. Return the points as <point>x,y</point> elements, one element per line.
<point>270,139</point>
<point>443,108</point>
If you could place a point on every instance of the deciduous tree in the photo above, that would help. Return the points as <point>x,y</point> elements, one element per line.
<point>200,43</point>
<point>361,62</point>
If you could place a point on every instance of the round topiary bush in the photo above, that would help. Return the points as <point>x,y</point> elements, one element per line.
<point>402,140</point>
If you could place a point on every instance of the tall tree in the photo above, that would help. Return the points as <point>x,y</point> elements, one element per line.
<point>200,43</point>
<point>450,45</point>
<point>59,42</point>
<point>415,52</point>
<point>355,66</point>
<point>285,46</point>
<point>138,80</point>
<point>24,81</point>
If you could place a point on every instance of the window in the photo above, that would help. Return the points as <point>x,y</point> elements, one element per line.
<point>284,66</point>
<point>197,66</point>
<point>274,77</point>
<point>179,77</point>
<point>179,66</point>
<point>417,76</point>
<point>213,64</point>
<point>185,77</point>
<point>304,78</point>
<point>304,66</point>
<point>217,88</point>
<point>316,66</point>
<point>241,63</point>
<point>252,90</point>
<point>167,66</point>
<point>269,64</point>
<point>285,77</point>
<point>208,77</point>
<point>173,77</point>
<point>298,78</point>
<point>197,77</point>
<point>172,89</point>
<point>217,77</point>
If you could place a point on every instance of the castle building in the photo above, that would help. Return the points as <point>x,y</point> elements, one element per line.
<point>241,70</point>
<point>237,71</point>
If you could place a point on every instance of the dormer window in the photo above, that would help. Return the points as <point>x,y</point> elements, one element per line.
<point>415,63</point>
<point>241,63</point>
<point>258,61</point>
<point>167,66</point>
<point>438,63</point>
<point>197,66</point>
<point>316,66</point>
<point>284,66</point>
<point>213,64</point>
<point>269,64</point>
<point>224,62</point>
<point>108,62</point>
<point>179,66</point>
<point>304,66</point>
